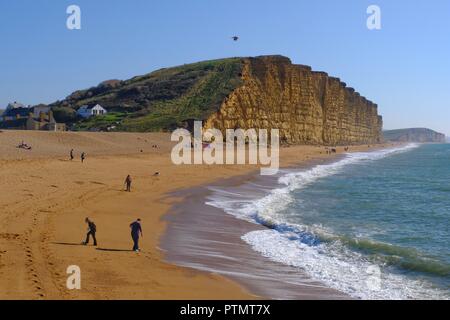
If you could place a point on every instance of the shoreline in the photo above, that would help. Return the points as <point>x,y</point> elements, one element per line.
<point>208,239</point>
<point>46,198</point>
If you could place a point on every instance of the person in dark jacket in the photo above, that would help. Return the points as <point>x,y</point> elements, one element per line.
<point>136,230</point>
<point>92,229</point>
<point>83,157</point>
<point>128,181</point>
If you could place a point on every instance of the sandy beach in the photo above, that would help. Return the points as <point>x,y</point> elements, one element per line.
<point>45,197</point>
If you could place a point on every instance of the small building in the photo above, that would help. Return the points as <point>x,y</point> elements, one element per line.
<point>188,124</point>
<point>46,122</point>
<point>11,114</point>
<point>14,111</point>
<point>18,124</point>
<point>91,111</point>
<point>41,108</point>
<point>24,119</point>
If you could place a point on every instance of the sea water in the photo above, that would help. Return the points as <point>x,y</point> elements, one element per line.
<point>375,225</point>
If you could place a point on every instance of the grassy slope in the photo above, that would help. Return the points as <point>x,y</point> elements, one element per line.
<point>200,101</point>
<point>163,99</point>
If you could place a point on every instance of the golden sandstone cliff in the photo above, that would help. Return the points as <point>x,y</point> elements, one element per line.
<point>308,107</point>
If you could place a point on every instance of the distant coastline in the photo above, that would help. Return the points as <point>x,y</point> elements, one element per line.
<point>420,135</point>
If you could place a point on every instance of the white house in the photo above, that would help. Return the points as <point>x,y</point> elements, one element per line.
<point>91,111</point>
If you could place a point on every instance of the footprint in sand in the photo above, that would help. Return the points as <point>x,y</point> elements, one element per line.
<point>9,236</point>
<point>96,182</point>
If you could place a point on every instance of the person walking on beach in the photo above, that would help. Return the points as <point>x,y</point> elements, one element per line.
<point>83,156</point>
<point>128,183</point>
<point>92,229</point>
<point>136,230</point>
<point>71,154</point>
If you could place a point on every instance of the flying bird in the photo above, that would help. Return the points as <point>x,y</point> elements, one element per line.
<point>235,38</point>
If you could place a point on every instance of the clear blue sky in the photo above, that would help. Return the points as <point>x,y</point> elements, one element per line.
<point>404,67</point>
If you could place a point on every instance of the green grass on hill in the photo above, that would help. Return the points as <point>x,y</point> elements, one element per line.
<point>160,100</point>
<point>199,102</point>
<point>102,123</point>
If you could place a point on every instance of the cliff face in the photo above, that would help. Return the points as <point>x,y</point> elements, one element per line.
<point>421,135</point>
<point>307,106</point>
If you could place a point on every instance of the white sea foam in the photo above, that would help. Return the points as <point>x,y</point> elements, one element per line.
<point>330,262</point>
<point>266,209</point>
<point>339,267</point>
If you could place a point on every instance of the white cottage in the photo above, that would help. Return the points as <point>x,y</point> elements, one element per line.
<point>91,111</point>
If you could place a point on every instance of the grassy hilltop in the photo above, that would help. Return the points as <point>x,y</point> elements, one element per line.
<point>157,101</point>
